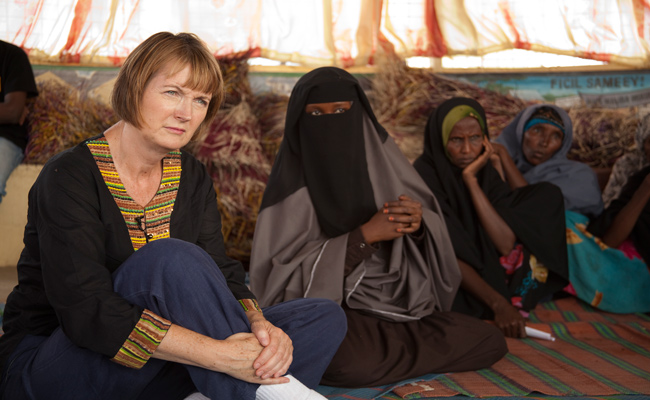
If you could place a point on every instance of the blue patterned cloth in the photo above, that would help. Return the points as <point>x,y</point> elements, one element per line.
<point>603,276</point>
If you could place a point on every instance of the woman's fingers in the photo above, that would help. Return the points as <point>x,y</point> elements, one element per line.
<point>404,206</point>
<point>405,213</point>
<point>276,354</point>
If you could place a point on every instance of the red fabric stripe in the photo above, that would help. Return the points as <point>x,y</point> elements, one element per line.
<point>436,46</point>
<point>81,11</point>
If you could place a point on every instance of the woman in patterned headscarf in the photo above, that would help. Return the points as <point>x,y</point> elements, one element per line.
<point>614,279</point>
<point>538,141</point>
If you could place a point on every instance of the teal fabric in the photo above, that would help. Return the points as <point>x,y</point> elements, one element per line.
<point>593,267</point>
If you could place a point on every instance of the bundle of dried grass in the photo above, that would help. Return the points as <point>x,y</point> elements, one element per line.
<point>403,98</point>
<point>271,109</point>
<point>234,70</point>
<point>602,135</point>
<point>246,134</point>
<point>233,154</point>
<point>60,119</point>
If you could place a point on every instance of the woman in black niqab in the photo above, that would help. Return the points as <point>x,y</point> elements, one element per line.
<point>346,217</point>
<point>330,161</point>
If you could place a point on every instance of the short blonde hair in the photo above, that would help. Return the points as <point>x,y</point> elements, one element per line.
<point>151,56</point>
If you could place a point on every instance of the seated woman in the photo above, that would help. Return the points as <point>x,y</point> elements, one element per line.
<point>346,217</point>
<point>509,243</point>
<point>601,275</point>
<point>125,290</point>
<point>630,163</point>
<point>536,144</point>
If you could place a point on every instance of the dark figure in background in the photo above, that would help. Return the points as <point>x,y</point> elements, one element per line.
<point>605,273</point>
<point>629,163</point>
<point>628,217</point>
<point>16,86</point>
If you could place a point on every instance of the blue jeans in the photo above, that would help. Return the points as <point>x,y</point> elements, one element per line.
<point>10,157</point>
<point>178,281</point>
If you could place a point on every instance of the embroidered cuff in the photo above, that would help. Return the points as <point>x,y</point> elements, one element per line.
<point>143,340</point>
<point>250,304</point>
<point>357,251</point>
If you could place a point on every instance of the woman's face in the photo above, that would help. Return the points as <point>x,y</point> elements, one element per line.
<point>465,142</point>
<point>334,107</point>
<point>171,112</point>
<point>541,141</point>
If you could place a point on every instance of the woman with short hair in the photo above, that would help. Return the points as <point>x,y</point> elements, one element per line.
<point>125,290</point>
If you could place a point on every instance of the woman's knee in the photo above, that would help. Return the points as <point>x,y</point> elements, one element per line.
<point>313,320</point>
<point>165,263</point>
<point>172,250</point>
<point>338,323</point>
<point>494,345</point>
<point>166,256</point>
<point>326,313</point>
<point>355,364</point>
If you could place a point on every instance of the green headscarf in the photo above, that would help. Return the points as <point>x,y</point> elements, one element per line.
<point>451,119</point>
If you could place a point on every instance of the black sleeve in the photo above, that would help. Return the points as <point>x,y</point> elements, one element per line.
<point>496,189</point>
<point>71,238</point>
<point>357,250</point>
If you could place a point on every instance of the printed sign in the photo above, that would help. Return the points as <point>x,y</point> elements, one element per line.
<point>612,90</point>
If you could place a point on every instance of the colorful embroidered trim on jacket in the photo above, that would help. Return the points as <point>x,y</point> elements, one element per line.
<point>143,340</point>
<point>250,304</point>
<point>151,222</point>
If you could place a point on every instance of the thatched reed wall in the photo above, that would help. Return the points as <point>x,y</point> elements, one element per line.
<point>243,140</point>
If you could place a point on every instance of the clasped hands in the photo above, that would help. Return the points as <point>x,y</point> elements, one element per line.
<point>262,356</point>
<point>395,219</point>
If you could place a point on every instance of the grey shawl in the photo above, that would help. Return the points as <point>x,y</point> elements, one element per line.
<point>407,279</point>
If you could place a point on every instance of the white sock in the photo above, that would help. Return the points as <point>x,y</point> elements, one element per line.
<point>294,390</point>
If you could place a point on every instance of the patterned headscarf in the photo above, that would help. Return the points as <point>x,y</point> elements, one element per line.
<point>545,115</point>
<point>578,181</point>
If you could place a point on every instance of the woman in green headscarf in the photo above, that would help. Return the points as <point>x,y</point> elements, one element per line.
<point>509,243</point>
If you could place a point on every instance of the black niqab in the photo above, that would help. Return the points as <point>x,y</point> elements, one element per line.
<point>326,152</point>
